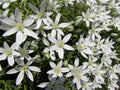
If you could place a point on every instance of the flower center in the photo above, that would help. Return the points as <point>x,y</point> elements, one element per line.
<point>60,44</point>
<point>57,70</point>
<point>78,76</point>
<point>80,47</point>
<point>23,52</point>
<point>8,52</point>
<point>19,26</point>
<point>55,26</point>
<point>40,14</point>
<point>25,68</point>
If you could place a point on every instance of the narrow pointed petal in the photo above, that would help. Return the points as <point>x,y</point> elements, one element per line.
<point>10,32</point>
<point>29,74</point>
<point>76,62</point>
<point>34,9</point>
<point>8,21</point>
<point>43,85</point>
<point>60,52</point>
<point>52,39</point>
<point>65,69</point>
<point>1,50</point>
<point>60,64</point>
<point>53,65</point>
<point>19,37</point>
<point>5,5</point>
<point>38,23</point>
<point>67,47</point>
<point>3,57</point>
<point>18,15</point>
<point>30,33</point>
<point>6,46</point>
<point>20,77</point>
<point>12,71</point>
<point>11,60</point>
<point>63,25</point>
<point>28,22</point>
<point>67,37</point>
<point>33,68</point>
<point>57,19</point>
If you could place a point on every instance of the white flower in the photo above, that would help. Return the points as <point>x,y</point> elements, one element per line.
<point>99,74</point>
<point>9,53</point>
<point>24,52</point>
<point>52,85</point>
<point>78,72</point>
<point>19,26</point>
<point>84,46</point>
<point>39,15</point>
<point>88,17</point>
<point>57,70</point>
<point>94,31</point>
<point>47,49</point>
<point>113,85</point>
<point>55,26</point>
<point>23,69</point>
<point>6,3</point>
<point>53,5</point>
<point>71,2</point>
<point>60,44</point>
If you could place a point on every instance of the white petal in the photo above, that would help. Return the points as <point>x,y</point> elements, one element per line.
<point>29,74</point>
<point>63,25</point>
<point>1,50</point>
<point>30,33</point>
<point>53,33</point>
<point>8,21</point>
<point>69,74</point>
<point>3,57</point>
<point>76,62</point>
<point>67,37</point>
<point>50,20</point>
<point>50,72</point>
<point>20,62</point>
<point>12,71</point>
<point>52,55</point>
<point>88,51</point>
<point>33,68</point>
<point>53,65</point>
<point>60,64</point>
<point>19,77</point>
<point>6,46</point>
<point>60,52</point>
<point>10,32</point>
<point>57,19</point>
<point>34,9</point>
<point>18,15</point>
<point>38,22</point>
<point>43,85</point>
<point>19,37</point>
<point>5,5</point>
<point>52,39</point>
<point>65,69</point>
<point>45,41</point>
<point>67,47</point>
<point>47,27</point>
<point>11,60</point>
<point>28,22</point>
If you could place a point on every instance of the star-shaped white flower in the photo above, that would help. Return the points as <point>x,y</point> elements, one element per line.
<point>19,27</point>
<point>60,44</point>
<point>55,26</point>
<point>57,70</point>
<point>23,69</point>
<point>9,53</point>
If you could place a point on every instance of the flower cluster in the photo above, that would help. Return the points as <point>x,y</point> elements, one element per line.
<point>77,38</point>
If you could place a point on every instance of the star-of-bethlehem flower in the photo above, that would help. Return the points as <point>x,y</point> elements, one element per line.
<point>78,72</point>
<point>24,52</point>
<point>9,53</point>
<point>55,26</point>
<point>6,3</point>
<point>19,27</point>
<point>57,70</point>
<point>23,69</point>
<point>39,15</point>
<point>60,44</point>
